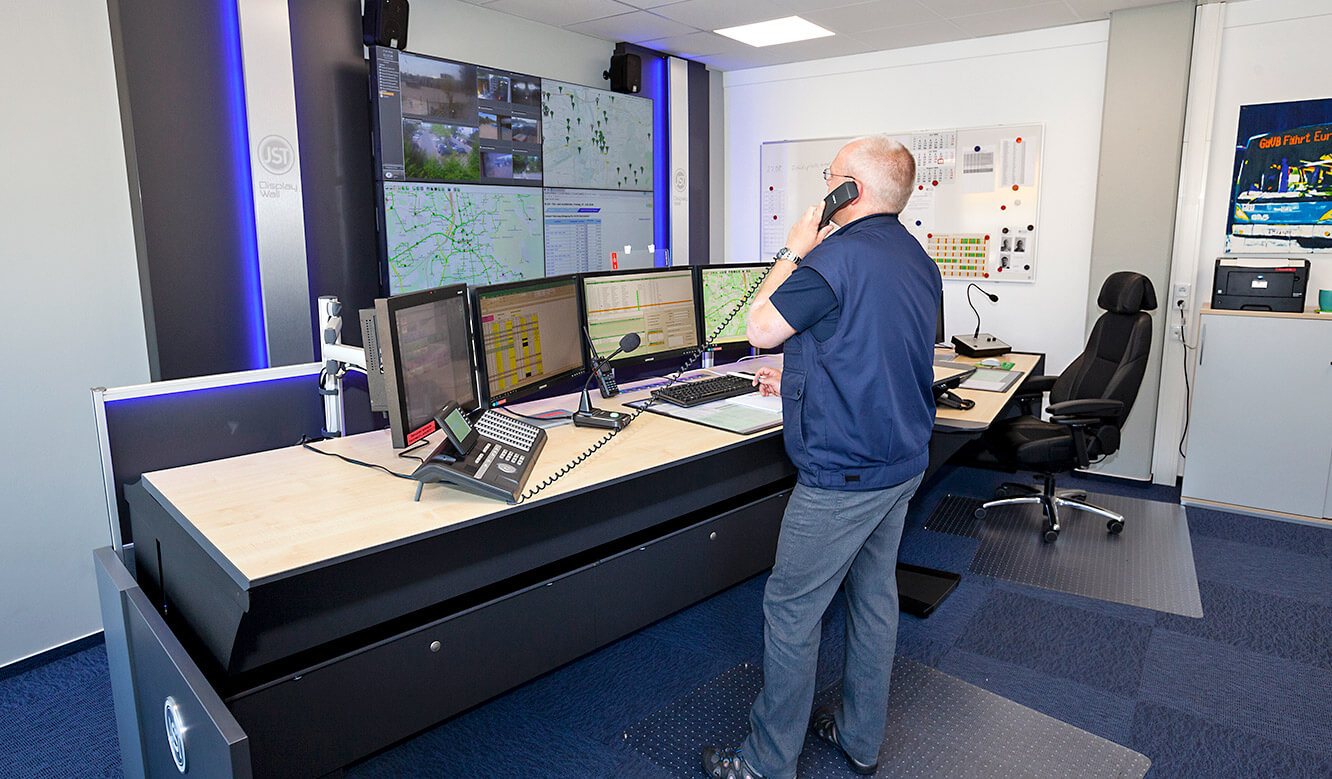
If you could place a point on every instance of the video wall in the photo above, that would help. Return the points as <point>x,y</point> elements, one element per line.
<point>488,176</point>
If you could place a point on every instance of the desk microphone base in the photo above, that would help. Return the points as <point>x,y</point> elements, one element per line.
<point>982,345</point>
<point>607,420</point>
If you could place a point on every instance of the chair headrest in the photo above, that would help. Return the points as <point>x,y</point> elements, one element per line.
<point>1126,292</point>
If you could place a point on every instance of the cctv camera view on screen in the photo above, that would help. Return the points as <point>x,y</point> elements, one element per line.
<point>456,143</point>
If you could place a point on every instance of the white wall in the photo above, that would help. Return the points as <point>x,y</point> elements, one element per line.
<point>1269,51</point>
<point>72,316</point>
<point>1056,77</point>
<point>456,30</point>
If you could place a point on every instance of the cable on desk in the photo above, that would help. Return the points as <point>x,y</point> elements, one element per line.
<point>306,444</point>
<point>689,360</point>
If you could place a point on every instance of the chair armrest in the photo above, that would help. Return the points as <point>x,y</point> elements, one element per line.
<point>1036,385</point>
<point>1030,392</point>
<point>1096,410</point>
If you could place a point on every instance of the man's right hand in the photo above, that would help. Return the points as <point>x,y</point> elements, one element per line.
<point>768,381</point>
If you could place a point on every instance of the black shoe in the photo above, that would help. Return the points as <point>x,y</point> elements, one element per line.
<point>725,763</point>
<point>824,725</point>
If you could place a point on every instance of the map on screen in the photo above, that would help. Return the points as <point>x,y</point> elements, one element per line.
<point>441,234</point>
<point>595,139</point>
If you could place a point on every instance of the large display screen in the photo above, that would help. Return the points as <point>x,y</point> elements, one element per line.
<point>464,154</point>
<point>658,305</point>
<point>458,122</point>
<point>437,234</point>
<point>596,139</point>
<point>596,230</point>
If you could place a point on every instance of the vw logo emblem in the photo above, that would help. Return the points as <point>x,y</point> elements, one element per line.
<point>276,155</point>
<point>175,731</point>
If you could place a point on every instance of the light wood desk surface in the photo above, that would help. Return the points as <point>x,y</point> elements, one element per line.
<point>274,512</point>
<point>988,404</point>
<point>271,513</point>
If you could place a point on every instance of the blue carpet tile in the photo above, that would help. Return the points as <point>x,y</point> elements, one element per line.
<point>58,720</point>
<point>1257,531</point>
<point>1264,695</point>
<point>1188,746</point>
<point>1278,572</point>
<point>1075,644</point>
<point>1267,624</point>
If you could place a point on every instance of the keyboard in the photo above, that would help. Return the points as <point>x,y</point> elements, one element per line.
<point>693,393</point>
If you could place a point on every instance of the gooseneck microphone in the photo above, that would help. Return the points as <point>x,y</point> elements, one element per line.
<point>589,416</point>
<point>993,299</point>
<point>979,344</point>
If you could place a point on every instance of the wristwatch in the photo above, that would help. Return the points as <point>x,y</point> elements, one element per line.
<point>787,254</point>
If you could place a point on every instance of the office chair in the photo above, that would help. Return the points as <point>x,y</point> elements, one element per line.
<point>1089,402</point>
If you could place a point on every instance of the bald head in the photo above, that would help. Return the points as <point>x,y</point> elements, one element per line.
<point>885,167</point>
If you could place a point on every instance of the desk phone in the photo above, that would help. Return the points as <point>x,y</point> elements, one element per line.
<point>493,459</point>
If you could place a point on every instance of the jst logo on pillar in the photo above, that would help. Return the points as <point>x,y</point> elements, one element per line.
<point>276,154</point>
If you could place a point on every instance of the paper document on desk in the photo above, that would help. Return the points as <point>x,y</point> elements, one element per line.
<point>772,403</point>
<point>991,380</point>
<point>723,414</point>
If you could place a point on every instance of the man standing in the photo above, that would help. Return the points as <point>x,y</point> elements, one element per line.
<point>856,310</point>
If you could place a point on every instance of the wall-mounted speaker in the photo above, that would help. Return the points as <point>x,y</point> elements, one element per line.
<point>625,74</point>
<point>384,23</point>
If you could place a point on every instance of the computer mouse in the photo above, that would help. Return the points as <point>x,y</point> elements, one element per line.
<point>990,362</point>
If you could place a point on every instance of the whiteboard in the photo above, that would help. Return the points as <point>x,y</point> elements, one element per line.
<point>974,209</point>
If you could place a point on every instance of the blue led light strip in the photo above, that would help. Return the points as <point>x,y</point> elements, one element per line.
<point>661,163</point>
<point>252,319</point>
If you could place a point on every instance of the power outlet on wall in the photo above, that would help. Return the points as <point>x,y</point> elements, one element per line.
<point>1180,300</point>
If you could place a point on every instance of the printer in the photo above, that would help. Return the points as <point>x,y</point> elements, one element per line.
<point>1254,284</point>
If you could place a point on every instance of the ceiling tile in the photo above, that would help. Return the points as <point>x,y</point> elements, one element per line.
<point>872,16</point>
<point>633,27</point>
<point>950,8</point>
<point>910,35</point>
<point>803,51</point>
<point>713,15</point>
<point>696,44</point>
<point>1016,19</point>
<point>646,4</point>
<point>806,6</point>
<point>1100,9</point>
<point>559,14</point>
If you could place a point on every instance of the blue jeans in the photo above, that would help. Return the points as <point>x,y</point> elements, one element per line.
<point>829,536</point>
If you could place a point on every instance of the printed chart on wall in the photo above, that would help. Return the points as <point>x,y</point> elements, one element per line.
<point>975,205</point>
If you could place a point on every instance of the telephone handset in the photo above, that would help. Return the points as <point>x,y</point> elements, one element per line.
<point>840,196</point>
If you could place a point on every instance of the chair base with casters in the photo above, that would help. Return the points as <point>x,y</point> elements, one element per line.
<point>1050,501</point>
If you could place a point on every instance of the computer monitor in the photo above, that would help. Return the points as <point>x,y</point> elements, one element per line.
<point>657,304</point>
<point>528,336</point>
<point>721,291</point>
<point>425,350</point>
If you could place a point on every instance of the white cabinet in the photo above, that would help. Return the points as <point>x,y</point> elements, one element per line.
<point>1260,434</point>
